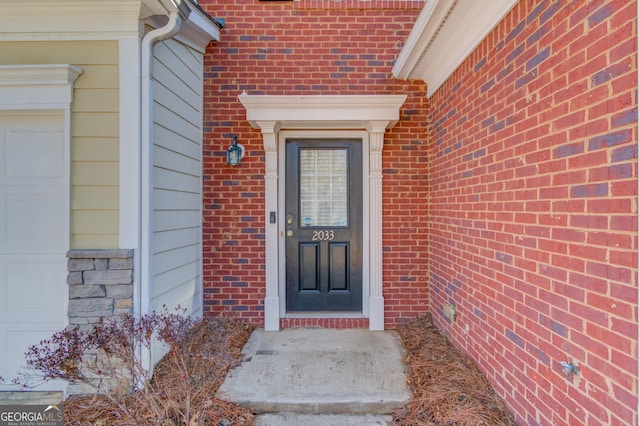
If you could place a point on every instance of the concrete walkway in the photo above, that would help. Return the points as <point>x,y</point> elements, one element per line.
<point>320,377</point>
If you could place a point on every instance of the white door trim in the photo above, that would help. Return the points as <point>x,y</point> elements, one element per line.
<point>323,134</point>
<point>279,117</point>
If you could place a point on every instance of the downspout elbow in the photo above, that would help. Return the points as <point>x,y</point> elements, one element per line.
<point>171,28</point>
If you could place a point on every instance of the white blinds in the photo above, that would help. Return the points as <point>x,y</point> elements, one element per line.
<point>323,187</point>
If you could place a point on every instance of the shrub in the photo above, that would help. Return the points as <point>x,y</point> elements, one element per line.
<point>105,361</point>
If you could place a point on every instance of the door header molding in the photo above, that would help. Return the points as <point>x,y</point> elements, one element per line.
<point>323,111</point>
<point>40,86</point>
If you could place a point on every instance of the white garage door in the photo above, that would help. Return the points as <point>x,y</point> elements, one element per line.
<point>33,234</point>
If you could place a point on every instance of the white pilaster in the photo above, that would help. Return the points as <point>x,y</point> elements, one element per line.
<point>376,300</point>
<point>272,300</point>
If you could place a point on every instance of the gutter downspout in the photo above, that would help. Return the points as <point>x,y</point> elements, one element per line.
<point>143,297</point>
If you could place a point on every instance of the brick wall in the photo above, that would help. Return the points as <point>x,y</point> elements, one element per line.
<point>307,47</point>
<point>533,210</point>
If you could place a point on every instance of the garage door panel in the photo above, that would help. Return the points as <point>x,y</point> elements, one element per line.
<point>14,344</point>
<point>33,235</point>
<point>36,153</point>
<point>32,288</point>
<point>34,219</point>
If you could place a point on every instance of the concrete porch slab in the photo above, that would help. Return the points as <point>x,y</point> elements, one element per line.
<point>320,371</point>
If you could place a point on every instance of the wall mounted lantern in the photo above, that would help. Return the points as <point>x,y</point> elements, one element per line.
<point>235,153</point>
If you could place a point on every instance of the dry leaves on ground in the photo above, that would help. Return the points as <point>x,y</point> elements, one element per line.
<point>448,389</point>
<point>183,386</point>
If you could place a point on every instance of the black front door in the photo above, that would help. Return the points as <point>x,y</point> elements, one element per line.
<point>324,225</point>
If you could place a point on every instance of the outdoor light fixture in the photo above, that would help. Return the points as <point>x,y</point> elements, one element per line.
<point>235,153</point>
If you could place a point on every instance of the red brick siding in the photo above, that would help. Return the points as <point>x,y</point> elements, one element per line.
<point>533,210</point>
<point>308,47</point>
<point>324,322</point>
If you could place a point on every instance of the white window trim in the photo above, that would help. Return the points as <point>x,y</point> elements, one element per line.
<point>279,117</point>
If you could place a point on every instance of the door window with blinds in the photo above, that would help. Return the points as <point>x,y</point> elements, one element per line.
<point>324,187</point>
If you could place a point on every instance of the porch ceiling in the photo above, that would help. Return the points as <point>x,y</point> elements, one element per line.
<point>444,34</point>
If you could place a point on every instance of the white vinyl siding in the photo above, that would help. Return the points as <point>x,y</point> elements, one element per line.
<point>177,177</point>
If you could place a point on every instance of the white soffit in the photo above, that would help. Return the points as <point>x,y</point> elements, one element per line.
<point>322,111</point>
<point>444,34</point>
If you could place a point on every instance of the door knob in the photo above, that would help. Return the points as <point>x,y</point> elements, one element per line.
<point>289,233</point>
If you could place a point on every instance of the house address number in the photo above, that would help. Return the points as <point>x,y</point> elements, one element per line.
<point>323,236</point>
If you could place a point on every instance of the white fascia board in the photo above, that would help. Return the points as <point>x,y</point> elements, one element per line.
<point>330,111</point>
<point>444,35</point>
<point>68,17</point>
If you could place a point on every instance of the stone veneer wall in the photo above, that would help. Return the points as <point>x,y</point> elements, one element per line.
<point>100,285</point>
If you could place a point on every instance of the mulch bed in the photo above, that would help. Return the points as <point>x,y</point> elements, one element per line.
<point>448,388</point>
<point>184,385</point>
